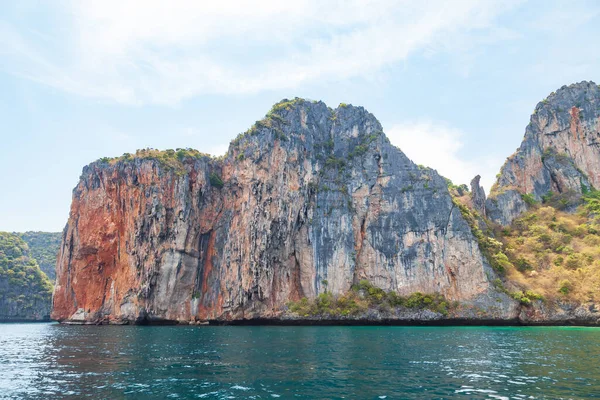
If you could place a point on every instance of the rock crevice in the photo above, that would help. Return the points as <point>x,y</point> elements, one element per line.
<point>309,200</point>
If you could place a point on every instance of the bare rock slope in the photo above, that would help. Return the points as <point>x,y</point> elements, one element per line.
<point>313,201</point>
<point>560,154</point>
<point>309,200</point>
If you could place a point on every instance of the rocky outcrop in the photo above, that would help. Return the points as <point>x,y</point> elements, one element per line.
<point>309,200</point>
<point>559,312</point>
<point>478,196</point>
<point>560,154</point>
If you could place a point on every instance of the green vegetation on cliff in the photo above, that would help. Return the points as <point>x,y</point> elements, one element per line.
<point>168,159</point>
<point>215,180</point>
<point>44,246</point>
<point>25,291</point>
<point>456,190</point>
<point>364,297</point>
<point>546,253</point>
<point>491,248</point>
<point>272,120</point>
<point>556,253</point>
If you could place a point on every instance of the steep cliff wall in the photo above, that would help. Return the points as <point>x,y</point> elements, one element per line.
<point>560,154</point>
<point>309,200</point>
<point>547,201</point>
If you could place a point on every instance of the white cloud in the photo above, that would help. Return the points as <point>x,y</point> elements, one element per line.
<point>163,52</point>
<point>568,16</point>
<point>438,146</point>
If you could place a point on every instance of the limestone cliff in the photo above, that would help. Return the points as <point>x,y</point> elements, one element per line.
<point>559,155</point>
<point>309,200</point>
<point>478,196</point>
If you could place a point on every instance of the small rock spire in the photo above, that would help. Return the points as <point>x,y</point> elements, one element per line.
<point>478,196</point>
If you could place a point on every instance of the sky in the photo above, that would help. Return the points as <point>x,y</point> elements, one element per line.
<point>452,82</point>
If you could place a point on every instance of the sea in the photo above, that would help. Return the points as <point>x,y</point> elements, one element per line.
<point>53,361</point>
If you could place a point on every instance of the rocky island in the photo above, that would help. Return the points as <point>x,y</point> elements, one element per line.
<point>25,290</point>
<point>313,216</point>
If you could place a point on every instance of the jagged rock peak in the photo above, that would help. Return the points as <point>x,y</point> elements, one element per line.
<point>559,155</point>
<point>310,199</point>
<point>288,124</point>
<point>478,196</point>
<point>296,119</point>
<point>576,94</point>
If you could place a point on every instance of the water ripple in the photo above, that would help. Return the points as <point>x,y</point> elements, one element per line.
<point>54,361</point>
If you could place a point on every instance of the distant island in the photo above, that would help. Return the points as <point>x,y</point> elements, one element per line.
<point>27,262</point>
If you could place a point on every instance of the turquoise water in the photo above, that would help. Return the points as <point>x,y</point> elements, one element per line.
<point>261,362</point>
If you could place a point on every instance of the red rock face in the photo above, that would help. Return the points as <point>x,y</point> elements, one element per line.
<point>140,243</point>
<point>313,199</point>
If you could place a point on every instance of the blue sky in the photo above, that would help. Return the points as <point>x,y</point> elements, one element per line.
<point>453,83</point>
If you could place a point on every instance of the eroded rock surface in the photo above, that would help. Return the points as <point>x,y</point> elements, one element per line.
<point>478,196</point>
<point>311,199</point>
<point>560,153</point>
